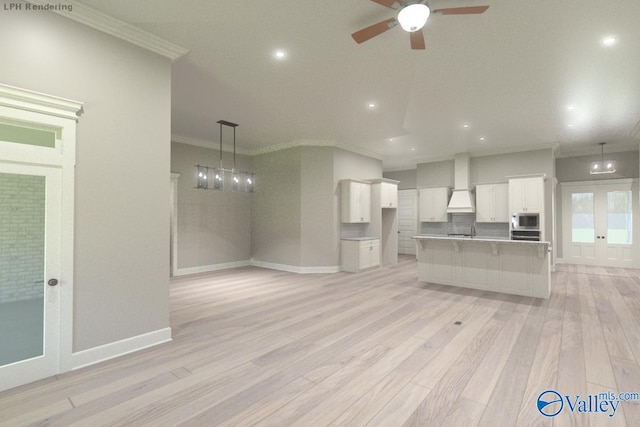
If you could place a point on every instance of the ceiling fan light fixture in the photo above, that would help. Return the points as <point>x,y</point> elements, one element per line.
<point>413,17</point>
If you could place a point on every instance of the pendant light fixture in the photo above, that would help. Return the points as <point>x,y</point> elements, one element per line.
<point>240,181</point>
<point>602,165</point>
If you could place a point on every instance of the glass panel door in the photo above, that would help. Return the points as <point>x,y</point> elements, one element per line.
<point>619,217</point>
<point>30,231</point>
<point>582,218</point>
<point>22,266</point>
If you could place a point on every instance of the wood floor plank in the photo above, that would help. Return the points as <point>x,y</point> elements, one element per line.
<point>543,376</point>
<point>400,408</point>
<point>628,377</point>
<point>254,346</point>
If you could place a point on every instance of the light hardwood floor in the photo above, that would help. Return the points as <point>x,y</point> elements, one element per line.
<point>266,348</point>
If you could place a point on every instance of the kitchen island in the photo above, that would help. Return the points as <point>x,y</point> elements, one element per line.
<point>491,264</point>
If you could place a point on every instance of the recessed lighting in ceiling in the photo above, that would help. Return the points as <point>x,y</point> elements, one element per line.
<point>413,149</point>
<point>482,138</point>
<point>390,139</point>
<point>570,125</point>
<point>280,54</point>
<point>571,107</point>
<point>371,105</point>
<point>465,125</point>
<point>609,41</point>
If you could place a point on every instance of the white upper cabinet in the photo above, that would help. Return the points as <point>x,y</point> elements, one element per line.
<point>433,204</point>
<point>388,195</point>
<point>355,201</point>
<point>492,202</point>
<point>526,194</point>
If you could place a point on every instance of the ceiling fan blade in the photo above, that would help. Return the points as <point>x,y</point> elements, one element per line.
<point>393,4</point>
<point>461,10</point>
<point>417,39</point>
<point>374,30</point>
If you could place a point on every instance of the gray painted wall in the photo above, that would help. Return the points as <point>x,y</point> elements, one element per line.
<point>407,178</point>
<point>435,174</point>
<point>276,207</point>
<point>214,227</point>
<point>121,284</point>
<point>317,207</point>
<point>295,210</point>
<point>577,168</point>
<point>496,168</point>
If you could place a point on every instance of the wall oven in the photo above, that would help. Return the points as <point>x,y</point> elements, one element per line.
<point>530,235</point>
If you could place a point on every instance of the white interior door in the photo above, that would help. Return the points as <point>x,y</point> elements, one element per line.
<point>598,224</point>
<point>30,225</point>
<point>37,163</point>
<point>407,220</point>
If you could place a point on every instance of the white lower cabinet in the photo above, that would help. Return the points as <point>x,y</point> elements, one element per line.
<point>359,254</point>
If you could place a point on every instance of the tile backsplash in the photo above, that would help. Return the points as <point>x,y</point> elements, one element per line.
<point>348,230</point>
<point>462,223</point>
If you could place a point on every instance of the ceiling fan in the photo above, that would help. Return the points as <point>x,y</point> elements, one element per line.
<point>412,17</point>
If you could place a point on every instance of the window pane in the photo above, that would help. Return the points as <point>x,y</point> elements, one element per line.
<point>28,136</point>
<point>582,222</point>
<point>619,217</point>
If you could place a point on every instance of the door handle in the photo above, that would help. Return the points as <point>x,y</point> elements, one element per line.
<point>52,282</point>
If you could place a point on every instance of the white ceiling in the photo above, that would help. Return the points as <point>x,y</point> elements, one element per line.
<point>509,73</point>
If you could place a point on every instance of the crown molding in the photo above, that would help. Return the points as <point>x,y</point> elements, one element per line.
<point>107,24</point>
<point>510,150</point>
<point>28,100</point>
<point>212,145</point>
<point>590,150</point>
<point>276,147</point>
<point>317,143</point>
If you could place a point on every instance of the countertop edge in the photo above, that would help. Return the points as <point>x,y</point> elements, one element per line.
<point>479,239</point>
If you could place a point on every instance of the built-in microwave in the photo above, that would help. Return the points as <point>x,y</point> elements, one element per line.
<point>525,221</point>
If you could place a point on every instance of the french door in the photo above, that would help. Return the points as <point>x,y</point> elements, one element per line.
<point>599,225</point>
<point>30,226</point>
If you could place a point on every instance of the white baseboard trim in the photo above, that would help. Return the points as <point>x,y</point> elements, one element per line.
<point>119,348</point>
<point>208,268</point>
<point>295,268</point>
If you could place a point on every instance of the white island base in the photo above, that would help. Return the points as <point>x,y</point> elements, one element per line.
<point>508,266</point>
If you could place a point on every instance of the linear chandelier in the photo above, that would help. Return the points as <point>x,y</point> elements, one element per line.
<point>240,181</point>
<point>602,165</point>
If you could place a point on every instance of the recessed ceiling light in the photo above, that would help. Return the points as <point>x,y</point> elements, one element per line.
<point>570,125</point>
<point>466,125</point>
<point>413,149</point>
<point>482,138</point>
<point>280,54</point>
<point>390,139</point>
<point>371,105</point>
<point>609,41</point>
<point>570,107</point>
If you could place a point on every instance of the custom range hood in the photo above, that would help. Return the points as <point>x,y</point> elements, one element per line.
<point>462,200</point>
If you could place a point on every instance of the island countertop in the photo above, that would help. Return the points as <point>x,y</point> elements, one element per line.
<point>477,239</point>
